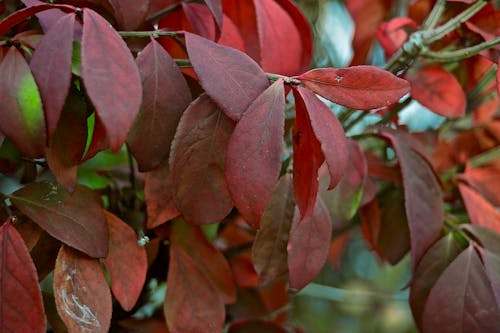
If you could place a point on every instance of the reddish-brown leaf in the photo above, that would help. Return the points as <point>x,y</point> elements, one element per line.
<point>439,91</point>
<point>51,67</point>
<point>308,246</point>
<point>165,96</point>
<point>480,211</point>
<point>130,14</point>
<point>111,77</point>
<point>75,219</point>
<point>144,325</point>
<point>329,133</point>
<point>423,197</point>
<point>307,159</point>
<point>126,262</point>
<point>206,257</point>
<point>357,87</point>
<point>253,159</point>
<point>269,248</point>
<point>192,304</point>
<point>46,18</point>
<point>215,7</point>
<point>197,163</point>
<point>83,299</point>
<point>21,298</point>
<point>462,300</point>
<point>29,231</point>
<point>486,181</point>
<point>256,325</point>
<point>21,116</point>
<point>230,77</point>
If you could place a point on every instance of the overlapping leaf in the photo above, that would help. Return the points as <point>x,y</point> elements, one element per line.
<point>82,294</point>
<point>253,159</point>
<point>75,219</point>
<point>22,305</point>
<point>230,77</point>
<point>164,98</point>
<point>21,116</point>
<point>480,211</point>
<point>197,163</point>
<point>357,87</point>
<point>111,77</point>
<point>130,14</point>
<point>126,262</point>
<point>486,181</point>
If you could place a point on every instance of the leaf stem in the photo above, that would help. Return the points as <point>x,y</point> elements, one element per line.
<point>153,33</point>
<point>287,79</point>
<point>3,199</point>
<point>344,295</point>
<point>435,15</point>
<point>457,55</point>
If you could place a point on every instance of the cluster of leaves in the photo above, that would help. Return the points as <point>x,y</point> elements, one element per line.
<point>219,115</point>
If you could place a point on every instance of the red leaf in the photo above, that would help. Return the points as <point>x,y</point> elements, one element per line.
<point>130,14</point>
<point>485,180</point>
<point>269,248</point>
<point>192,304</point>
<point>46,18</point>
<point>423,197</point>
<point>480,211</point>
<point>206,257</point>
<point>165,96</point>
<point>20,15</point>
<point>216,9</point>
<point>358,87</point>
<point>329,133</point>
<point>159,195</point>
<point>307,159</point>
<point>126,262</point>
<point>21,117</point>
<point>308,246</point>
<point>82,294</point>
<point>430,268</point>
<point>75,219</point>
<point>439,91</point>
<point>229,77</point>
<point>111,77</point>
<point>462,299</point>
<point>197,163</point>
<point>256,325</point>
<point>51,67</point>
<point>242,13</point>
<point>392,36</point>
<point>22,305</point>
<point>253,159</point>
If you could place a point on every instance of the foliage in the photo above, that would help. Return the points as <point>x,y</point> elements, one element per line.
<point>160,140</point>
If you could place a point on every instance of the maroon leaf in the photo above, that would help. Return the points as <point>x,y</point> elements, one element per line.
<point>480,211</point>
<point>439,91</point>
<point>165,96</point>
<point>215,7</point>
<point>269,252</point>
<point>83,299</point>
<point>75,219</point>
<point>130,14</point>
<point>46,18</point>
<point>192,304</point>
<point>111,77</point>
<point>253,158</point>
<point>22,306</point>
<point>308,246</point>
<point>126,262</point>
<point>256,325</point>
<point>230,77</point>
<point>462,300</point>
<point>357,87</point>
<point>51,67</point>
<point>329,133</point>
<point>423,197</point>
<point>197,163</point>
<point>21,116</point>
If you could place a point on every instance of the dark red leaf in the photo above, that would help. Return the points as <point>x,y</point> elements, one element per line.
<point>206,257</point>
<point>111,77</point>
<point>44,254</point>
<point>216,9</point>
<point>82,294</point>
<point>166,95</point>
<point>130,14</point>
<point>22,14</point>
<point>329,133</point>
<point>480,211</point>
<point>253,159</point>
<point>126,262</point>
<point>462,300</point>
<point>21,117</point>
<point>197,163</point>
<point>29,231</point>
<point>269,248</point>
<point>439,91</point>
<point>46,18</point>
<point>192,304</point>
<point>22,307</point>
<point>75,219</point>
<point>229,77</point>
<point>256,325</point>
<point>423,197</point>
<point>358,87</point>
<point>51,67</point>
<point>144,325</point>
<point>308,246</point>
